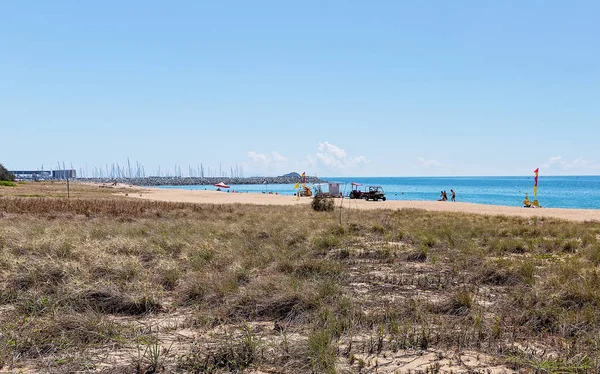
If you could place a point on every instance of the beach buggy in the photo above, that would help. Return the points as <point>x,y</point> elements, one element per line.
<point>374,193</point>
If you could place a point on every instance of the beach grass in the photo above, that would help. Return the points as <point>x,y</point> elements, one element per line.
<point>98,282</point>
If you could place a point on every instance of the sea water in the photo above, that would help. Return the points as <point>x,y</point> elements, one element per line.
<point>553,191</point>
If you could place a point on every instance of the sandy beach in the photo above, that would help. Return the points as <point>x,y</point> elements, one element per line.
<point>216,197</point>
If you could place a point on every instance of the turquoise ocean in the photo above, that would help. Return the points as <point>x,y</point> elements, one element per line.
<point>553,191</point>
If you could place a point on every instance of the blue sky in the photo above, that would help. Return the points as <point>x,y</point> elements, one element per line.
<point>333,88</point>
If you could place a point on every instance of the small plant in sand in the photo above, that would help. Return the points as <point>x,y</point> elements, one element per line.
<point>322,203</point>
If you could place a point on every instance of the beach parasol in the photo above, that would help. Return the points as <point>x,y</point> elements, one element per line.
<point>221,185</point>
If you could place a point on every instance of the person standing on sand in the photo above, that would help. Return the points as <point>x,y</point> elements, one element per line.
<point>453,195</point>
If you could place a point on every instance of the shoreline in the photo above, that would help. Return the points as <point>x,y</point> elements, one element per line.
<point>215,197</point>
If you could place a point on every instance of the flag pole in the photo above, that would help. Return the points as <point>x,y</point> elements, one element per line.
<point>535,181</point>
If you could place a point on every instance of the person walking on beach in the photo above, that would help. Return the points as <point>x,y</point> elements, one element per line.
<point>453,195</point>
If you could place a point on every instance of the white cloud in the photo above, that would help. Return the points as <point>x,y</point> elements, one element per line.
<point>309,161</point>
<point>330,156</point>
<point>327,157</point>
<point>428,163</point>
<point>334,157</point>
<point>578,163</point>
<point>334,150</point>
<point>361,160</point>
<point>258,158</point>
<point>278,158</point>
<point>263,159</point>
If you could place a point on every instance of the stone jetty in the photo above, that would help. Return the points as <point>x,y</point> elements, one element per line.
<point>191,181</point>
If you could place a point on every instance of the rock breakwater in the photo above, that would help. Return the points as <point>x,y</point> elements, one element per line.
<point>193,181</point>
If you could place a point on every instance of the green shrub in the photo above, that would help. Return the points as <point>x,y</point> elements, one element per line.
<point>6,175</point>
<point>322,203</point>
<point>8,184</point>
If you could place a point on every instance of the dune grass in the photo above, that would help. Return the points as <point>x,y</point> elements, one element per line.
<point>58,189</point>
<point>244,287</point>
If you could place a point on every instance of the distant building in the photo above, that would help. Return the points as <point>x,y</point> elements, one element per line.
<point>31,174</point>
<point>44,174</point>
<point>64,174</point>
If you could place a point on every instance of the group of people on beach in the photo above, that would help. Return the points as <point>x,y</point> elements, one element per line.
<point>444,196</point>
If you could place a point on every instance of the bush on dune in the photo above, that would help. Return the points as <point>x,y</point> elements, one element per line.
<point>6,175</point>
<point>322,203</point>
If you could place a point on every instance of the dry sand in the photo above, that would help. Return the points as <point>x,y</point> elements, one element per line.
<point>216,197</point>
